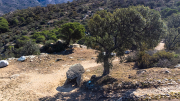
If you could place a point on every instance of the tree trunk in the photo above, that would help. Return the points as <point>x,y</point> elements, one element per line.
<point>106,65</point>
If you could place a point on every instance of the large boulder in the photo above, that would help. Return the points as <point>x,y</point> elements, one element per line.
<point>4,63</point>
<point>74,74</point>
<point>22,58</point>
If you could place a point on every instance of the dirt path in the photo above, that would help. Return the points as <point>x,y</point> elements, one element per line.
<point>160,46</point>
<point>26,81</point>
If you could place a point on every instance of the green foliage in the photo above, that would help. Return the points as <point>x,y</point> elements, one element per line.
<point>22,41</point>
<point>173,21</point>
<point>3,25</point>
<point>162,55</point>
<point>172,39</point>
<point>30,48</point>
<point>45,35</point>
<point>145,60</point>
<point>40,38</point>
<point>71,31</point>
<point>118,31</point>
<point>168,11</point>
<point>178,3</point>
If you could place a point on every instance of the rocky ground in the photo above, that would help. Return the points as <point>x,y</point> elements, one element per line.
<point>42,78</point>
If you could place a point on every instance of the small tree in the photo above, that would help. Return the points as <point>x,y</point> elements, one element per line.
<point>71,31</point>
<point>3,25</point>
<point>126,26</point>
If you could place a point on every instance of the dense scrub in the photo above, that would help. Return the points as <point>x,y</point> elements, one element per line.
<point>153,58</point>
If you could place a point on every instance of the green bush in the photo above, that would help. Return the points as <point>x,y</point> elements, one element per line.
<point>40,38</point>
<point>30,48</point>
<point>143,60</point>
<point>160,59</point>
<point>47,43</point>
<point>162,55</point>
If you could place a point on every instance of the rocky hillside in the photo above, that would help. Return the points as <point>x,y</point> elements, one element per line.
<point>7,6</point>
<point>46,2</point>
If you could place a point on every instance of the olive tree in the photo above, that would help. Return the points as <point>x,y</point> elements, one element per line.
<point>117,31</point>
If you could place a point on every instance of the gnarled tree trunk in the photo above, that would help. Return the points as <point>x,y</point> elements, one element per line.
<point>106,65</point>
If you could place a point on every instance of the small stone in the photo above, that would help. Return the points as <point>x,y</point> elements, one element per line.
<point>167,71</point>
<point>88,70</point>
<point>70,57</point>
<point>14,76</point>
<point>178,65</point>
<point>140,71</point>
<point>166,79</point>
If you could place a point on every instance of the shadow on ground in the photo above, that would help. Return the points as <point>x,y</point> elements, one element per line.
<point>73,93</point>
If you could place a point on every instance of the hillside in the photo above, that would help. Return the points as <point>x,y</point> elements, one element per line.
<point>138,46</point>
<point>28,21</point>
<point>7,6</point>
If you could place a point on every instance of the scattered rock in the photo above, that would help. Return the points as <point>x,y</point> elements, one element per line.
<point>4,63</point>
<point>140,71</point>
<point>83,46</point>
<point>81,59</point>
<point>14,76</point>
<point>31,60</point>
<point>75,72</point>
<point>70,57</point>
<point>166,79</point>
<point>22,58</point>
<point>93,58</point>
<point>167,71</point>
<point>88,70</point>
<point>11,58</point>
<point>30,56</point>
<point>177,66</point>
<point>174,83</point>
<point>76,46</point>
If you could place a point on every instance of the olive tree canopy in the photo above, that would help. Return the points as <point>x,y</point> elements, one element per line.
<point>118,31</point>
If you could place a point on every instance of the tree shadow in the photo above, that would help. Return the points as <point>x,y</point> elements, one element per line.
<point>66,52</point>
<point>67,92</point>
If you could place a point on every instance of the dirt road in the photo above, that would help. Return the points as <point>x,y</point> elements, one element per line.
<point>160,46</point>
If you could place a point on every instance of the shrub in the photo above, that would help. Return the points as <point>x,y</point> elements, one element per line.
<point>162,55</point>
<point>47,43</point>
<point>148,59</point>
<point>132,57</point>
<point>58,47</point>
<point>143,60</point>
<point>40,38</point>
<point>30,48</point>
<point>163,63</point>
